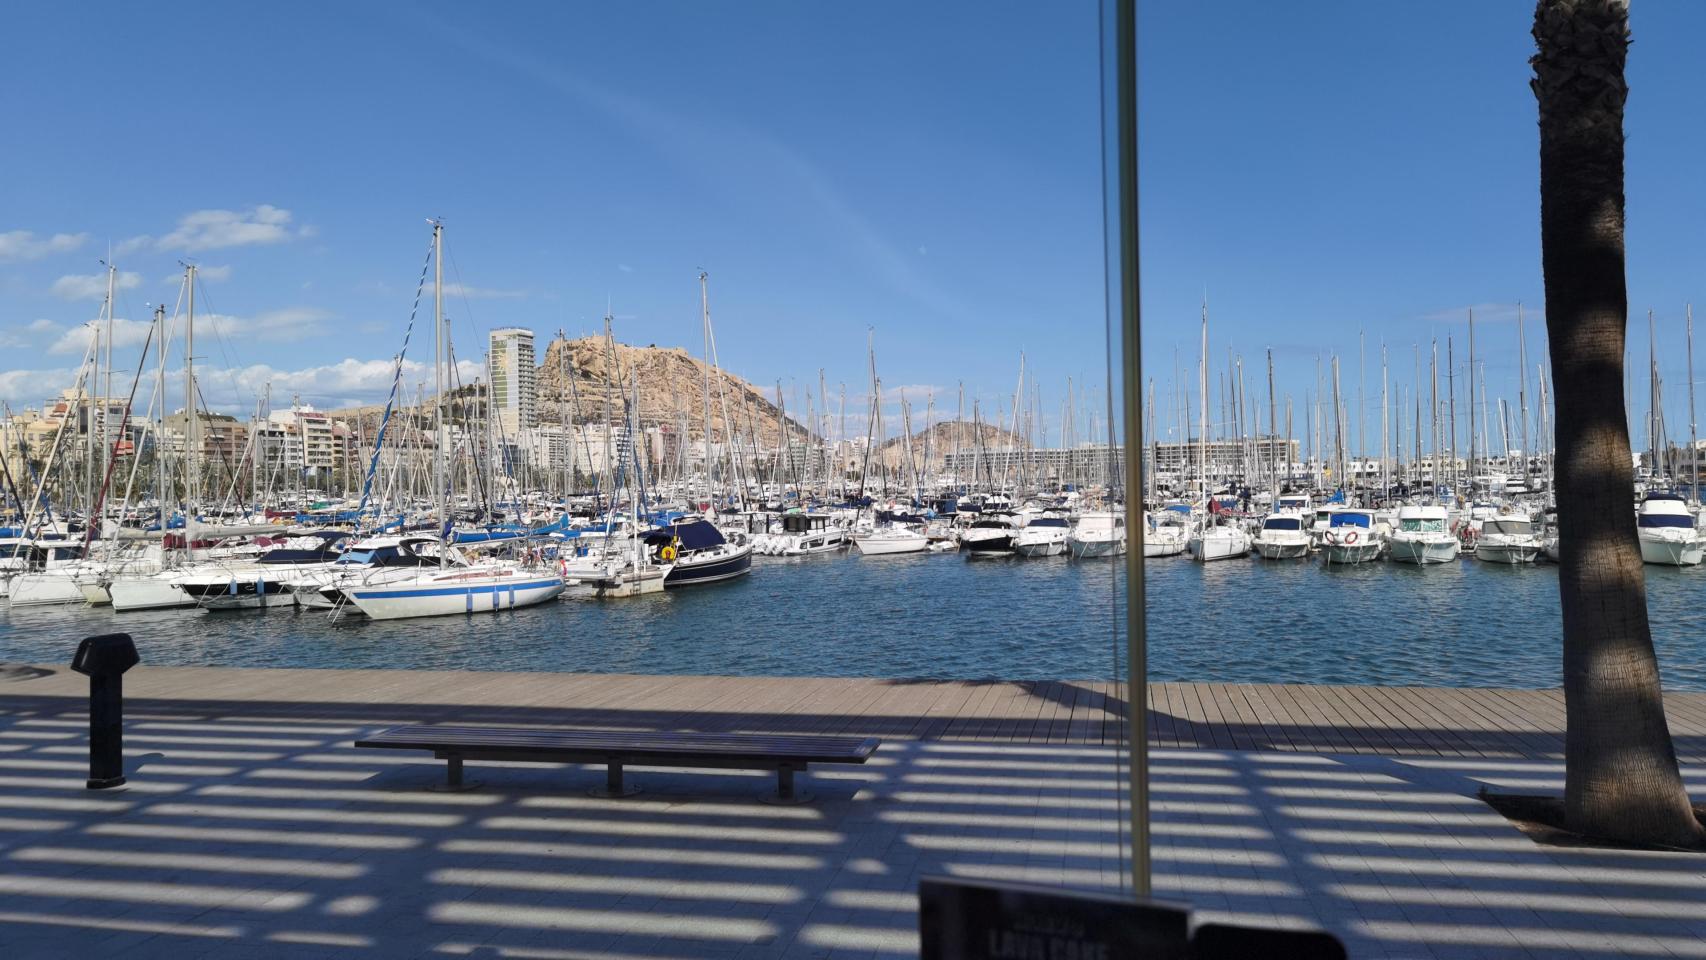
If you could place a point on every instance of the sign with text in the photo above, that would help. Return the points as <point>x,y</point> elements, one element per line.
<point>985,921</point>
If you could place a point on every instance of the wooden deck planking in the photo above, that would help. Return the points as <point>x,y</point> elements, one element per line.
<point>1451,722</point>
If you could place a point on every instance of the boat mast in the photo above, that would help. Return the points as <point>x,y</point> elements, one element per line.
<point>1433,404</point>
<point>705,324</point>
<point>1202,389</point>
<point>192,469</point>
<point>441,430</point>
<point>1522,390</point>
<point>1652,401</point>
<point>1693,434</point>
<point>1471,464</point>
<point>1273,434</point>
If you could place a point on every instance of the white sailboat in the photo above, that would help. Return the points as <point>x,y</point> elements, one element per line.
<point>1165,533</point>
<point>477,588</point>
<point>1213,541</point>
<point>890,539</point>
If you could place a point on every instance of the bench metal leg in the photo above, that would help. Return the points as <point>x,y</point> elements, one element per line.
<point>614,784</point>
<point>454,782</point>
<point>785,794</point>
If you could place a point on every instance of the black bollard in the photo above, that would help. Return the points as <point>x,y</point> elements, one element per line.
<point>104,659</point>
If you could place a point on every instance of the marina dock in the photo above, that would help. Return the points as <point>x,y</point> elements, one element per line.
<point>251,827</point>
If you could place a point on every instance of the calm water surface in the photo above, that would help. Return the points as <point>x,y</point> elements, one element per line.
<point>1461,624</point>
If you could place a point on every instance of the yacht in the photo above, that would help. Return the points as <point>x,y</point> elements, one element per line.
<point>1351,537</point>
<point>891,538</point>
<point>1044,536</point>
<point>1217,541</point>
<point>1422,536</point>
<point>992,535</point>
<point>1282,536</point>
<point>804,534</point>
<point>1668,532</point>
<point>1097,534</point>
<point>369,561</point>
<point>699,553</point>
<point>268,581</point>
<point>1507,538</point>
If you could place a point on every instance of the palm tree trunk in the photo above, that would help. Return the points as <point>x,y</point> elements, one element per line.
<point>1621,776</point>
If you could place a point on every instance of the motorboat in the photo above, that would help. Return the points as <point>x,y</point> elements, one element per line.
<point>1351,537</point>
<point>699,553</point>
<point>1099,533</point>
<point>269,580</point>
<point>991,535</point>
<point>1507,538</point>
<point>1668,532</point>
<point>1044,536</point>
<point>804,534</point>
<point>1282,536</point>
<point>370,561</point>
<point>1423,536</point>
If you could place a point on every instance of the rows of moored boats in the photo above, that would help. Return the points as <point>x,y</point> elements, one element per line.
<point>1669,529</point>
<point>417,573</point>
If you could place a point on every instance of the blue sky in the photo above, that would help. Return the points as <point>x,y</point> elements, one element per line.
<point>928,171</point>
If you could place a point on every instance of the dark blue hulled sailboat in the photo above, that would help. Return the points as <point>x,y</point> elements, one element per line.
<point>700,552</point>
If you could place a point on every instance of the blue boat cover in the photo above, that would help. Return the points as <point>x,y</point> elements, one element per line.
<point>694,535</point>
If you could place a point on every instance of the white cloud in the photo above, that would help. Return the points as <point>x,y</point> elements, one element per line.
<point>482,293</point>
<point>25,245</point>
<point>272,326</point>
<point>126,333</point>
<point>348,382</point>
<point>20,387</point>
<point>92,286</point>
<point>624,268</point>
<point>217,229</point>
<point>42,325</point>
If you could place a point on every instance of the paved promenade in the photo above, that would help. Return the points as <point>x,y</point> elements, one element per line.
<point>251,828</point>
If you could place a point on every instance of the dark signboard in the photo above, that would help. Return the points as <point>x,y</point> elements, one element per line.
<point>982,921</point>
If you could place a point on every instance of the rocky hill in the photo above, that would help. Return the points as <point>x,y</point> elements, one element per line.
<point>945,437</point>
<point>577,376</point>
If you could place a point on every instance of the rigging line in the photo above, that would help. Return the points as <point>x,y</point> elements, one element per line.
<point>396,380</point>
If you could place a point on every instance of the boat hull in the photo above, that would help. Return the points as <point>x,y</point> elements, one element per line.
<point>883,546</point>
<point>1210,549</point>
<point>1094,549</point>
<point>147,593</point>
<point>1673,552</point>
<point>444,599</point>
<point>1350,554</point>
<point>1509,554</point>
<point>44,589</point>
<point>237,593</point>
<point>687,573</point>
<point>1041,548</point>
<point>1421,552</point>
<point>1291,549</point>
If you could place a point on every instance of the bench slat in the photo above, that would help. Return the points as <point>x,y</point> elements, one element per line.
<point>659,745</point>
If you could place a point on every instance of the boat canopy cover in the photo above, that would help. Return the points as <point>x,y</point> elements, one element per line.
<point>1282,523</point>
<point>1508,526</point>
<point>1656,520</point>
<point>1350,518</point>
<point>694,535</point>
<point>1178,507</point>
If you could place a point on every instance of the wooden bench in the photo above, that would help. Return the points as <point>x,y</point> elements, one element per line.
<point>784,754</point>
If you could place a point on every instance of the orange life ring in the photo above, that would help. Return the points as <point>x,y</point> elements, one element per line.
<point>1350,538</point>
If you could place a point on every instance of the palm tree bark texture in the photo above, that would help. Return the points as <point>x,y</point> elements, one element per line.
<point>1621,775</point>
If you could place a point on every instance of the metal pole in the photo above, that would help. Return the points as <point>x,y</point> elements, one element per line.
<point>1124,191</point>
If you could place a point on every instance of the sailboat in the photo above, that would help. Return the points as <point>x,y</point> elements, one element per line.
<point>477,588</point>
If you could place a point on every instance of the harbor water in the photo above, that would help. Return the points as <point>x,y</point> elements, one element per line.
<point>1465,623</point>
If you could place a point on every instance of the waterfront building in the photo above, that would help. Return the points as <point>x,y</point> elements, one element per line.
<point>514,379</point>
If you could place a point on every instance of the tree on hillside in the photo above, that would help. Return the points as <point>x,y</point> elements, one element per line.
<point>1621,778</point>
